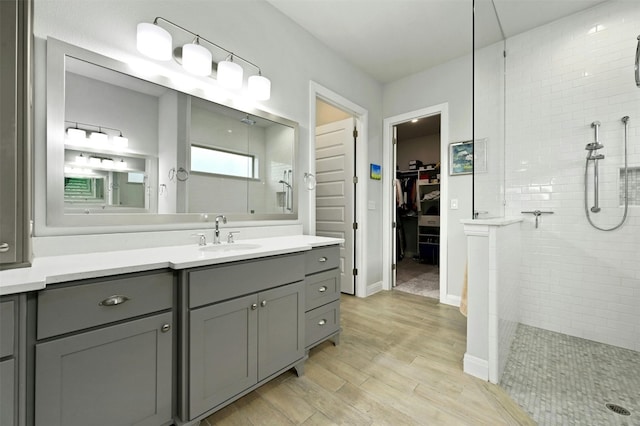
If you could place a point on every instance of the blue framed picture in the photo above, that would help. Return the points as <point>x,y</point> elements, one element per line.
<point>376,172</point>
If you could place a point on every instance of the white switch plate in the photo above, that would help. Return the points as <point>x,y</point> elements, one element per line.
<point>454,204</point>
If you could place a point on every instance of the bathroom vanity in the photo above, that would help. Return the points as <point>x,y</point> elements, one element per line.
<point>168,338</point>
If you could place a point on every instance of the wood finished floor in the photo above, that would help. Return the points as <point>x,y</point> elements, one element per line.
<point>399,362</point>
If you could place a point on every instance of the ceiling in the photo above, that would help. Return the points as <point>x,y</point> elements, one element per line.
<point>391,39</point>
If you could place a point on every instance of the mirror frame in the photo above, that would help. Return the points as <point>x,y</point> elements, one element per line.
<point>56,53</point>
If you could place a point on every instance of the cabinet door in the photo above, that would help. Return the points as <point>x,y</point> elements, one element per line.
<point>119,375</point>
<point>280,328</point>
<point>7,393</point>
<point>222,352</point>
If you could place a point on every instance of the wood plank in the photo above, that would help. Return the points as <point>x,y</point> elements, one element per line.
<point>399,362</point>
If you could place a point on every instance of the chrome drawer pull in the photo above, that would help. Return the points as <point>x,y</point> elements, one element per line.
<point>165,328</point>
<point>4,247</point>
<point>322,322</point>
<point>322,289</point>
<point>322,259</point>
<point>114,300</point>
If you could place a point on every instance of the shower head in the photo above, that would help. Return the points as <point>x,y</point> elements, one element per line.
<point>284,183</point>
<point>248,121</point>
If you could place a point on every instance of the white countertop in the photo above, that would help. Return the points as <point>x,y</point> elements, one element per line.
<point>57,269</point>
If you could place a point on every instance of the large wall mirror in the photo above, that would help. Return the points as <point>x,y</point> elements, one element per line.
<point>128,149</point>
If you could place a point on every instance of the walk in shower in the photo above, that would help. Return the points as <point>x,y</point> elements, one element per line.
<point>540,97</point>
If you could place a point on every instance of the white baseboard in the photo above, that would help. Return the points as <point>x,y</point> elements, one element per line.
<point>476,367</point>
<point>374,288</point>
<point>451,300</point>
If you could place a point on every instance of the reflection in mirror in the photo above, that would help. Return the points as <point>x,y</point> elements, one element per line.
<point>123,145</point>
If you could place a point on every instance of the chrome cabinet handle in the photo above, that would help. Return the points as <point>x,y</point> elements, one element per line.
<point>322,322</point>
<point>322,289</point>
<point>4,247</point>
<point>263,303</point>
<point>638,63</point>
<point>322,259</point>
<point>165,328</point>
<point>254,306</point>
<point>116,299</point>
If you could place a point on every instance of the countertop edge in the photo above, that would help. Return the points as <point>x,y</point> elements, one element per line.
<point>45,271</point>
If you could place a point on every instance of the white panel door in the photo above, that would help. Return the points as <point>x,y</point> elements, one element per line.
<point>334,191</point>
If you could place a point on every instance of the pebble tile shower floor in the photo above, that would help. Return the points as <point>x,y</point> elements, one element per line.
<point>564,380</point>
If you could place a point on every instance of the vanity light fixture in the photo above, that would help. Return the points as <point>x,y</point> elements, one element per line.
<point>197,60</point>
<point>76,134</point>
<point>154,41</point>
<point>120,141</point>
<point>230,74</point>
<point>81,159</point>
<point>97,135</point>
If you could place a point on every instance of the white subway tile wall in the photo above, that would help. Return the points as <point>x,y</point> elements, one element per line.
<point>560,78</point>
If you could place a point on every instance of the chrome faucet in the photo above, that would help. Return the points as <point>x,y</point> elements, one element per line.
<point>216,233</point>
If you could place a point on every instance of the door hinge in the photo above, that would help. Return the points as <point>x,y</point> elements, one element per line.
<point>355,271</point>
<point>355,133</point>
<point>355,225</point>
<point>355,179</point>
<point>393,224</point>
<point>393,266</point>
<point>395,141</point>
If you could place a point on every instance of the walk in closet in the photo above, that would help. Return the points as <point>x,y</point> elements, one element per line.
<point>417,188</point>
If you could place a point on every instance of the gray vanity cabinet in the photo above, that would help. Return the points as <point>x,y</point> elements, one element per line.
<point>322,294</point>
<point>250,328</point>
<point>105,354</point>
<point>8,361</point>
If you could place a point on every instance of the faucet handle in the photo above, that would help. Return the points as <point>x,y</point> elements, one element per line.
<point>230,236</point>
<point>203,238</point>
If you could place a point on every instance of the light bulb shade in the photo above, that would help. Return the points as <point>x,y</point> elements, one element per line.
<point>81,159</point>
<point>196,59</point>
<point>230,74</point>
<point>107,162</point>
<point>99,138</point>
<point>120,141</point>
<point>154,41</point>
<point>76,135</point>
<point>259,87</point>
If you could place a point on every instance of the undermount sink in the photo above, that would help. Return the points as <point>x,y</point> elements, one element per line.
<point>225,247</point>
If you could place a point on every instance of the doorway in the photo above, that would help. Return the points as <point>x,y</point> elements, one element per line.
<point>430,198</point>
<point>337,207</point>
<point>335,189</point>
<point>417,202</point>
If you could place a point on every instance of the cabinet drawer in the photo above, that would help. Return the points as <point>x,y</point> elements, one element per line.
<point>81,306</point>
<point>7,327</point>
<point>322,322</point>
<point>322,288</point>
<point>321,259</point>
<point>214,284</point>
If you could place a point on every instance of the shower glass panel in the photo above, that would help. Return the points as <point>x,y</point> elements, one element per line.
<point>489,112</point>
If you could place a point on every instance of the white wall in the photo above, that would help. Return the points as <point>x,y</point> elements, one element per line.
<point>451,83</point>
<point>288,55</point>
<point>575,279</point>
